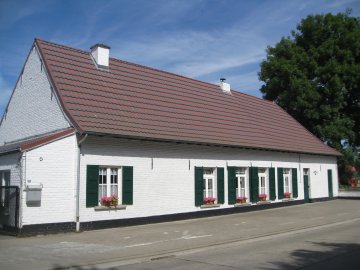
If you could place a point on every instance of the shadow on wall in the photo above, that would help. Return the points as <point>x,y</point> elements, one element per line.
<point>336,256</point>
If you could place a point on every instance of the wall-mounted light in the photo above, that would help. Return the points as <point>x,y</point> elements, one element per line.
<point>315,172</point>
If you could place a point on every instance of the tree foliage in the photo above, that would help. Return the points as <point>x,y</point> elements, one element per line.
<point>314,74</point>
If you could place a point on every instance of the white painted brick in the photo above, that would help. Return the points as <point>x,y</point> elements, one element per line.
<point>33,108</point>
<point>169,187</point>
<point>56,172</point>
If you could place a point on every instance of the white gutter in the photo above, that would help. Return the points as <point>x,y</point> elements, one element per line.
<point>78,184</point>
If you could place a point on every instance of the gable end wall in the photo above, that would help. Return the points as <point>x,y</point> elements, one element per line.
<point>33,108</point>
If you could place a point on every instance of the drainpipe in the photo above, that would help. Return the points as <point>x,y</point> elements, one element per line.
<point>78,184</point>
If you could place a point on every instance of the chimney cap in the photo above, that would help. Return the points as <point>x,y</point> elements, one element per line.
<point>99,45</point>
<point>222,79</point>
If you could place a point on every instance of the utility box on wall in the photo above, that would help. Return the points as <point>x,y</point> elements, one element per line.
<point>33,194</point>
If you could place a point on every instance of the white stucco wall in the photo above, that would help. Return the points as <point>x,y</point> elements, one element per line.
<point>33,108</point>
<point>54,166</point>
<point>164,181</point>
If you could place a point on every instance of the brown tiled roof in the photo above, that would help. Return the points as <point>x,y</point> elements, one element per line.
<point>31,143</point>
<point>135,101</point>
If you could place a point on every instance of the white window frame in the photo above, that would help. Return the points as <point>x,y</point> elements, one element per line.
<point>241,175</point>
<point>287,178</point>
<point>108,186</point>
<point>263,172</point>
<point>209,175</point>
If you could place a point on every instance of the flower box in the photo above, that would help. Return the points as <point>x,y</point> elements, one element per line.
<point>108,201</point>
<point>241,199</point>
<point>209,200</point>
<point>262,197</point>
<point>287,195</point>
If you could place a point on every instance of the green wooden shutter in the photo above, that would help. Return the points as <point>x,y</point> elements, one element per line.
<point>199,179</point>
<point>280,177</point>
<point>127,185</point>
<point>220,185</point>
<point>92,185</point>
<point>272,184</point>
<point>294,182</point>
<point>254,184</point>
<point>330,183</point>
<point>231,185</point>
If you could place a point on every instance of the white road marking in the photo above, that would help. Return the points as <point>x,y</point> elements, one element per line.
<point>140,245</point>
<point>340,214</point>
<point>194,237</point>
<point>186,237</point>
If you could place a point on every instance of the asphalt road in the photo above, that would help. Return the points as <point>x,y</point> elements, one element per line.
<point>283,238</point>
<point>331,247</point>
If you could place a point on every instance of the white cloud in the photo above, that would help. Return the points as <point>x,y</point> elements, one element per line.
<point>195,53</point>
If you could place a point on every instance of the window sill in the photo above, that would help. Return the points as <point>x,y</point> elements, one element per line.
<point>288,199</point>
<point>109,208</point>
<point>209,205</point>
<point>242,204</point>
<point>263,202</point>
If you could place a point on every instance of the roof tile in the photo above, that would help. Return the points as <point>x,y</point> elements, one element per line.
<point>136,101</point>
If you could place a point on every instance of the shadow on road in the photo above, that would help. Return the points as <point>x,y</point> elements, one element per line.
<point>335,256</point>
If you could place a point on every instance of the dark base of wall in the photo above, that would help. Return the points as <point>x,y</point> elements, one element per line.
<point>348,198</point>
<point>47,228</point>
<point>104,224</point>
<point>324,199</point>
<point>7,230</point>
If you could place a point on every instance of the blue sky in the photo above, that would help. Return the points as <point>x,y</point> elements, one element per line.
<point>200,39</point>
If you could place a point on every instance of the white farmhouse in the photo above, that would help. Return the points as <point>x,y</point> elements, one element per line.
<point>81,127</point>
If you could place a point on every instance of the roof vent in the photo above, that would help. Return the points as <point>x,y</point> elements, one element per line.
<point>100,53</point>
<point>224,86</point>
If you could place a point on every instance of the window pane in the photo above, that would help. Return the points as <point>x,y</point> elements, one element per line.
<point>210,185</point>
<point>114,190</point>
<point>242,182</point>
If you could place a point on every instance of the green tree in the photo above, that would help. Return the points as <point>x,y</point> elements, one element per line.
<point>314,74</point>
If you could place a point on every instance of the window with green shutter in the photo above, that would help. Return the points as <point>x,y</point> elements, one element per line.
<point>280,177</point>
<point>294,182</point>
<point>231,185</point>
<point>127,185</point>
<point>92,185</point>
<point>272,184</point>
<point>220,185</point>
<point>254,184</point>
<point>199,171</point>
<point>330,183</point>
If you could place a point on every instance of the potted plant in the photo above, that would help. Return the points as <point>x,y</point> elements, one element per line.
<point>109,200</point>
<point>262,197</point>
<point>114,199</point>
<point>241,199</point>
<point>105,201</point>
<point>287,195</point>
<point>209,200</point>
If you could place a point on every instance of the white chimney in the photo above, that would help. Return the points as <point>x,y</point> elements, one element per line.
<point>100,53</point>
<point>224,86</point>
